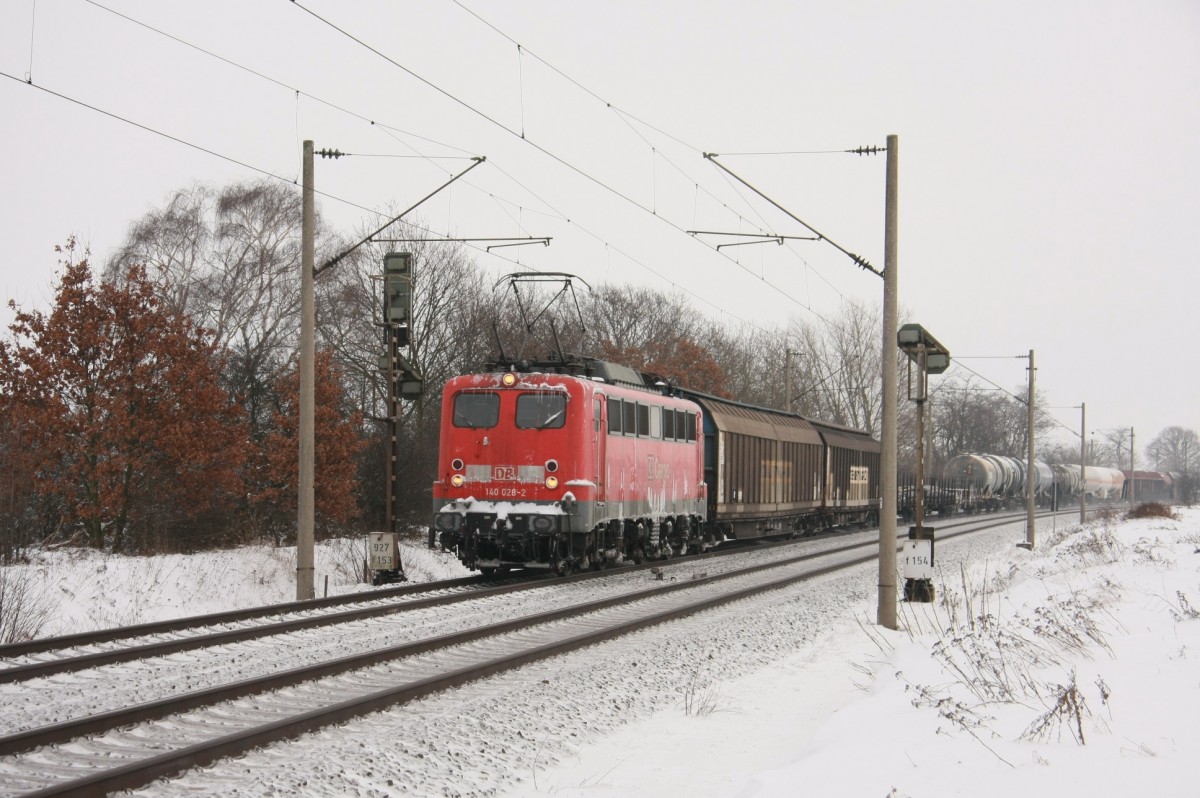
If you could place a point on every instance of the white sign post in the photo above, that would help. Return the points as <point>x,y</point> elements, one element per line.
<point>383,551</point>
<point>918,559</point>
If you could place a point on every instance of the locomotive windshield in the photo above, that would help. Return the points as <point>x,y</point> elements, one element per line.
<point>476,410</point>
<point>541,410</point>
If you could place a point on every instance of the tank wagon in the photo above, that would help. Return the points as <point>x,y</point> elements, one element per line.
<point>996,481</point>
<point>565,465</point>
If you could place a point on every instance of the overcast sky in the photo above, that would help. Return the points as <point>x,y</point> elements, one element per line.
<point>1049,158</point>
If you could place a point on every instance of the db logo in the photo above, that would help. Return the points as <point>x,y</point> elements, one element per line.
<point>504,473</point>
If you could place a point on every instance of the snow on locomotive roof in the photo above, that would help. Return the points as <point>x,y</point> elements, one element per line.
<point>577,366</point>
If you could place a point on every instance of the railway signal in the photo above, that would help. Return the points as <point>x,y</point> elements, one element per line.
<point>397,288</point>
<point>930,357</point>
<point>404,381</point>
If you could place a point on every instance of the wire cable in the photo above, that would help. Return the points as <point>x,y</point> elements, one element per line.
<point>516,134</point>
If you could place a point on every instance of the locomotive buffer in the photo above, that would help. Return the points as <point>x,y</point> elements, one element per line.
<point>929,357</point>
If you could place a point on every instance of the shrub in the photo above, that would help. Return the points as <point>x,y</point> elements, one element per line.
<point>24,609</point>
<point>1152,510</point>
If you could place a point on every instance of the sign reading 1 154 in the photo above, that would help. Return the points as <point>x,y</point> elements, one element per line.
<point>918,559</point>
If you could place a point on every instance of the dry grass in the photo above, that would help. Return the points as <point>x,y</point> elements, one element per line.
<point>1014,669</point>
<point>24,607</point>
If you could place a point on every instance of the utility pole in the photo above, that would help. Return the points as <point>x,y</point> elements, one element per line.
<point>887,456</point>
<point>1132,472</point>
<point>1082,462</point>
<point>305,494</point>
<point>787,380</point>
<point>1030,471</point>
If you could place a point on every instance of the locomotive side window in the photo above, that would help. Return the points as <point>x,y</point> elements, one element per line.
<point>614,416</point>
<point>656,422</point>
<point>690,426</point>
<point>630,423</point>
<point>643,420</point>
<point>668,423</point>
<point>476,410</point>
<point>541,410</point>
<point>596,415</point>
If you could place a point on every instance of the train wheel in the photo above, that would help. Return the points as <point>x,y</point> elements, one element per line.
<point>487,573</point>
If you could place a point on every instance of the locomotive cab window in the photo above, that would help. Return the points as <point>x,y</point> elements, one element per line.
<point>643,420</point>
<point>541,410</point>
<point>614,416</point>
<point>630,413</point>
<point>476,410</point>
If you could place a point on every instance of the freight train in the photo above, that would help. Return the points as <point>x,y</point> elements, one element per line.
<point>986,481</point>
<point>581,463</point>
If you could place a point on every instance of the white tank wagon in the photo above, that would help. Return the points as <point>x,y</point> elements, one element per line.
<point>1103,484</point>
<point>975,472</point>
<point>1011,473</point>
<point>997,477</point>
<point>1043,484</point>
<point>1067,479</point>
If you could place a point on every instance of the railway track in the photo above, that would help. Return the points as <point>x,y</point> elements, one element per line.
<point>48,656</point>
<point>124,748</point>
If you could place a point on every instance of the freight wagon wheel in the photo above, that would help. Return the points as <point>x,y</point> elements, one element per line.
<point>488,573</point>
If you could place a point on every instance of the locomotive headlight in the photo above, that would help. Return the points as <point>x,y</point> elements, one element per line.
<point>457,480</point>
<point>509,380</point>
<point>551,482</point>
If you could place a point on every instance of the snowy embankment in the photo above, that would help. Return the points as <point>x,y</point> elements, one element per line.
<point>1069,671</point>
<point>77,590</point>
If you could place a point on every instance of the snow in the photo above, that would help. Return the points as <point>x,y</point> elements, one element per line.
<point>83,589</point>
<point>794,692</point>
<point>842,716</point>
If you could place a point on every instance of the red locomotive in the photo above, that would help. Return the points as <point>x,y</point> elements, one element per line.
<point>545,470</point>
<point>565,465</point>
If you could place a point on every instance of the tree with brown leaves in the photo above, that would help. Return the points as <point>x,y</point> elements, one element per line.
<point>119,398</point>
<point>336,448</point>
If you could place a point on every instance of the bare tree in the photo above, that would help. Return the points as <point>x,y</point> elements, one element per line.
<point>971,417</point>
<point>838,363</point>
<point>174,244</point>
<point>1175,449</point>
<point>449,335</point>
<point>230,259</point>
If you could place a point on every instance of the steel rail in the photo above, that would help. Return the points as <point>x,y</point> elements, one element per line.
<point>19,673</point>
<point>105,721</point>
<point>217,618</point>
<point>137,774</point>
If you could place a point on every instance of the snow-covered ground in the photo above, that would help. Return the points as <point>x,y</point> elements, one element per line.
<point>78,590</point>
<point>1071,671</point>
<point>1066,671</point>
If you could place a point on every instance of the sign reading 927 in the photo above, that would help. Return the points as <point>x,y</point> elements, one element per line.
<point>917,559</point>
<point>382,550</point>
